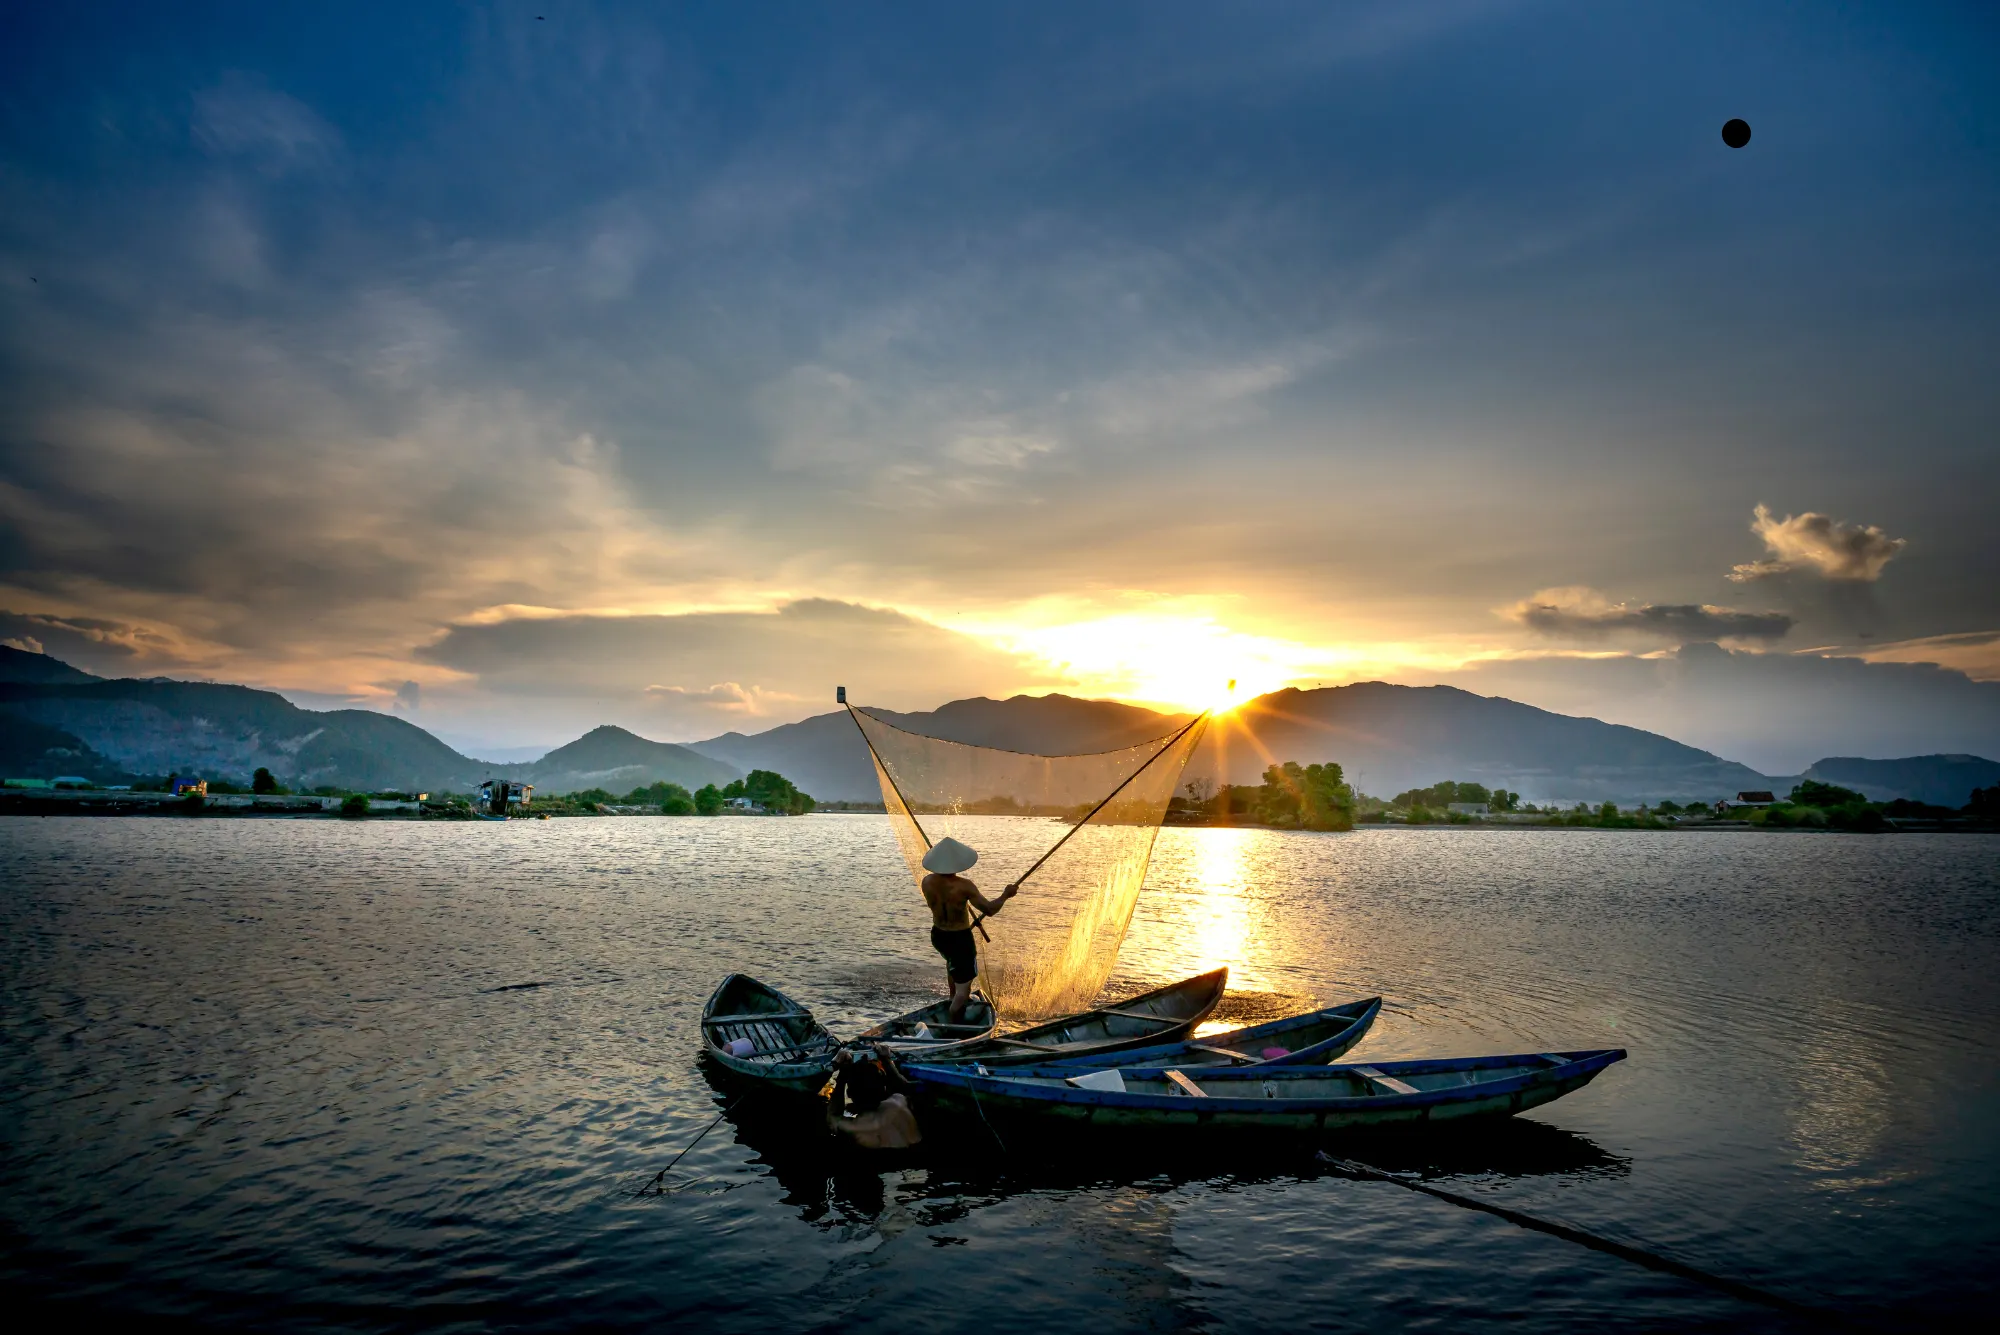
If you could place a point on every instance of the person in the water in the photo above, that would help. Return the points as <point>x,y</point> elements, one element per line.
<point>877,1091</point>
<point>952,898</point>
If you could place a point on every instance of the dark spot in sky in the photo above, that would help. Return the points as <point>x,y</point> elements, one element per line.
<point>1736,133</point>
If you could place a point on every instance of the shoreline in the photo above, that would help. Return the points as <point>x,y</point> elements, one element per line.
<point>243,806</point>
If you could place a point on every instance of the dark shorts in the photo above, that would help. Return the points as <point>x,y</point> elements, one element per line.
<point>961,959</point>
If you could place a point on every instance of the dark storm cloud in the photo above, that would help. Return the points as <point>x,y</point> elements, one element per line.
<point>1582,614</point>
<point>107,648</point>
<point>718,667</point>
<point>322,329</point>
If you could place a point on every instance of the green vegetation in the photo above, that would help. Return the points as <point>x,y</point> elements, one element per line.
<point>1441,795</point>
<point>355,804</point>
<point>263,781</point>
<point>1292,797</point>
<point>1311,797</point>
<point>769,790</point>
<point>1821,806</point>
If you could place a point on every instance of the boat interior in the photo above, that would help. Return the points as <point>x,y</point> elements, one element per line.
<point>1299,1082</point>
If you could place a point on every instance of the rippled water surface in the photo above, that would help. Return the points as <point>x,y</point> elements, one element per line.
<point>317,1074</point>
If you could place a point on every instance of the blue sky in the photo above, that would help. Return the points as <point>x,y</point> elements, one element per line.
<point>520,373</point>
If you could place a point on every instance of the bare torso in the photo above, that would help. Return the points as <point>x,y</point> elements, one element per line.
<point>949,899</point>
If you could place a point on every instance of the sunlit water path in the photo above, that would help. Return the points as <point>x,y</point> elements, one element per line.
<point>382,1075</point>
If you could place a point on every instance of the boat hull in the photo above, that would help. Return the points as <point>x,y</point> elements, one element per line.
<point>1162,1015</point>
<point>899,1034</point>
<point>1460,1090</point>
<point>794,1052</point>
<point>1321,1036</point>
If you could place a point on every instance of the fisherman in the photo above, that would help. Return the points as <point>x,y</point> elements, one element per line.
<point>952,899</point>
<point>873,1085</point>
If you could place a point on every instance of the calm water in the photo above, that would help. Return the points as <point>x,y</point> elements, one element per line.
<point>290,1074</point>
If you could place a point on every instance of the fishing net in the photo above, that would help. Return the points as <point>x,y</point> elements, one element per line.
<point>1079,828</point>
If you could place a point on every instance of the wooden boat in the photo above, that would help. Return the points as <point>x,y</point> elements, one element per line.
<point>929,1028</point>
<point>1280,1099</point>
<point>789,1049</point>
<point>1159,1016</point>
<point>1311,1039</point>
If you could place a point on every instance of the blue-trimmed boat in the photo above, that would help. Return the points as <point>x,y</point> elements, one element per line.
<point>1303,1100</point>
<point>1310,1039</point>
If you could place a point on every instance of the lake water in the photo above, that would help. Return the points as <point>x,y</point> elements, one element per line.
<point>276,1074</point>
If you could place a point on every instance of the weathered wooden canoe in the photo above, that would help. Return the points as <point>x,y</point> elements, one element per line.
<point>789,1048</point>
<point>1161,1016</point>
<point>1285,1099</point>
<point>929,1028</point>
<point>1311,1039</point>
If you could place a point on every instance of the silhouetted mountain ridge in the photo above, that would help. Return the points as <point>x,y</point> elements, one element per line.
<point>111,729</point>
<point>54,720</point>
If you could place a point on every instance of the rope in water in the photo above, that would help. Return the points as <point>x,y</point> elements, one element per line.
<point>658,1177</point>
<point>1638,1256</point>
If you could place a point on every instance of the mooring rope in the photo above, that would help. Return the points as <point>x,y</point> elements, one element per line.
<point>1736,1288</point>
<point>654,1185</point>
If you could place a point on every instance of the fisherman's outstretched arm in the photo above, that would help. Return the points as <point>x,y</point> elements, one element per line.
<point>991,906</point>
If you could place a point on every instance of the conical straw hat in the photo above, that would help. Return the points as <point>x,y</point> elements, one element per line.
<point>949,857</point>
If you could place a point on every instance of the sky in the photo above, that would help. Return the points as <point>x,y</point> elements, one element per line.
<point>523,367</point>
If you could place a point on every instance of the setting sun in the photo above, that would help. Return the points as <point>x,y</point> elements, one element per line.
<point>1184,662</point>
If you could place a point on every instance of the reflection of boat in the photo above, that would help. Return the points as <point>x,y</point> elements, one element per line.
<point>757,1031</point>
<point>1312,1039</point>
<point>929,1029</point>
<point>1159,1016</point>
<point>1296,1099</point>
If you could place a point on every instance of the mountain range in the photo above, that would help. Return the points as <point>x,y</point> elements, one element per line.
<point>55,719</point>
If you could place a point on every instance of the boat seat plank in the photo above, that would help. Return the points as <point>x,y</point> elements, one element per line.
<point>1554,1058</point>
<point>1024,1043</point>
<point>757,1015</point>
<point>1231,1053</point>
<point>1185,1085</point>
<point>1387,1081</point>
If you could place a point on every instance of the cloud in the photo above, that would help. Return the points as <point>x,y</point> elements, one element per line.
<point>729,696</point>
<point>1582,613</point>
<point>240,118</point>
<point>1975,653</point>
<point>96,644</point>
<point>1814,542</point>
<point>684,672</point>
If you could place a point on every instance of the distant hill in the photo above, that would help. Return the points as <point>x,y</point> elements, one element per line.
<point>612,758</point>
<point>1945,781</point>
<point>19,665</point>
<point>159,727</point>
<point>1393,738</point>
<point>825,756</point>
<point>30,750</point>
<point>57,720</point>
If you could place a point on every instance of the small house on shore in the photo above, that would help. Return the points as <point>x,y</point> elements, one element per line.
<point>187,787</point>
